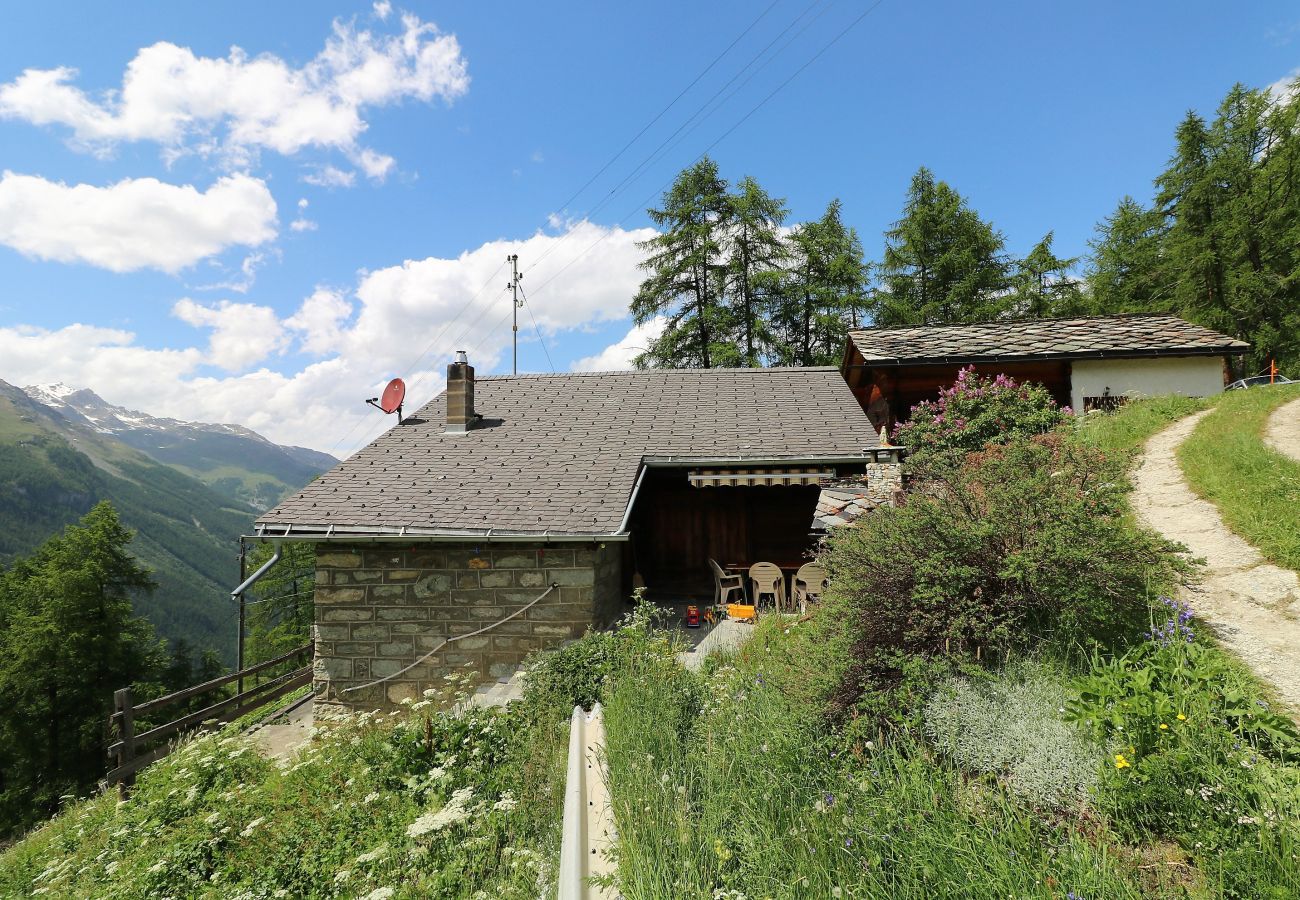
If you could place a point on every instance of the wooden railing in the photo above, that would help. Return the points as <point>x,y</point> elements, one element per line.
<point>131,751</point>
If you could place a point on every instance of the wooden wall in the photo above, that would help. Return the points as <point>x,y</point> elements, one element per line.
<point>912,384</point>
<point>676,528</point>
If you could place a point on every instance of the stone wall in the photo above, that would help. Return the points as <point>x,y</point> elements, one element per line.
<point>380,607</point>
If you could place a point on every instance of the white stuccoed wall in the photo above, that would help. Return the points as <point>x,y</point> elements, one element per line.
<point>1192,376</point>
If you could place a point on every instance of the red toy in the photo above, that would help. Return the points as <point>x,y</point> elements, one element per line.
<point>692,617</point>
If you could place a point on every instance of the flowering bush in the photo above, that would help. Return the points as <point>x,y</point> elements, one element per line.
<point>976,411</point>
<point>1021,542</point>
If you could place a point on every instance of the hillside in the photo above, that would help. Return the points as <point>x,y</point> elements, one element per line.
<point>52,472</point>
<point>232,460</point>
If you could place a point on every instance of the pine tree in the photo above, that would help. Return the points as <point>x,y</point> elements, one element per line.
<point>280,620</point>
<point>942,262</point>
<point>1042,286</point>
<point>686,274</point>
<point>755,256</point>
<point>69,638</point>
<point>824,291</point>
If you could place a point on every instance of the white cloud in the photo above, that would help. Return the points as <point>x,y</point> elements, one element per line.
<point>302,224</point>
<point>1285,87</point>
<point>319,320</point>
<point>358,343</point>
<point>241,104</point>
<point>134,224</point>
<point>242,333</point>
<point>383,9</point>
<point>619,355</point>
<point>330,176</point>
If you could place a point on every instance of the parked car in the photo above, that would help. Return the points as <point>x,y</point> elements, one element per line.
<point>1257,380</point>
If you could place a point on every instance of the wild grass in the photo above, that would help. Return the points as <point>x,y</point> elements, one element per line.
<point>1256,489</point>
<point>723,788</point>
<point>419,804</point>
<point>1126,429</point>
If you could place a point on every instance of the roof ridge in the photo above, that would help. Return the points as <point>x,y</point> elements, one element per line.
<point>1024,319</point>
<point>718,370</point>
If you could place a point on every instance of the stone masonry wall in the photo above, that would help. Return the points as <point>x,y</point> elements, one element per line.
<point>884,482</point>
<point>380,607</point>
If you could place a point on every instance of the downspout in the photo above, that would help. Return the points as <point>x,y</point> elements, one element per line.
<point>238,595</point>
<point>631,501</point>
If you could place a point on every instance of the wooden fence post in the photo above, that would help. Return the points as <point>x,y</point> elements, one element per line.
<point>126,729</point>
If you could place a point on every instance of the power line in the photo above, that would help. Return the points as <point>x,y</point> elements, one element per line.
<point>541,340</point>
<point>872,8</point>
<point>670,105</point>
<point>616,189</point>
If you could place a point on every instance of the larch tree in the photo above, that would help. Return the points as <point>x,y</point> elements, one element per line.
<point>686,273</point>
<point>824,293</point>
<point>755,255</point>
<point>942,262</point>
<point>1125,273</point>
<point>1042,285</point>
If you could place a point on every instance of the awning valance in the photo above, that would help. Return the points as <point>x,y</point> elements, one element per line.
<point>764,477</point>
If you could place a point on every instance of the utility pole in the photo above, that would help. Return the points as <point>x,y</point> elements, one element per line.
<point>515,278</point>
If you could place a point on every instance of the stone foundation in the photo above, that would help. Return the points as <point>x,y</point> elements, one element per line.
<point>380,607</point>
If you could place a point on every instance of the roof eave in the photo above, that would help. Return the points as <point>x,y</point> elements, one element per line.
<point>362,534</point>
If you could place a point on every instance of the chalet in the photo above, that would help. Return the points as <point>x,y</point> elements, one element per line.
<point>575,486</point>
<point>1086,362</point>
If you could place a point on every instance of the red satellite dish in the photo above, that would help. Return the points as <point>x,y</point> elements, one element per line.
<point>391,400</point>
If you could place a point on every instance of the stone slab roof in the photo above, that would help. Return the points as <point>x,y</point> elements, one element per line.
<point>1087,337</point>
<point>561,453</point>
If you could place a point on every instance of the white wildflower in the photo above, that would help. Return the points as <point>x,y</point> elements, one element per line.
<point>382,893</point>
<point>213,819</point>
<point>342,875</point>
<point>455,811</point>
<point>506,803</point>
<point>251,827</point>
<point>371,797</point>
<point>377,853</point>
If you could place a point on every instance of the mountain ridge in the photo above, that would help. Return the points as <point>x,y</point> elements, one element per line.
<point>233,460</point>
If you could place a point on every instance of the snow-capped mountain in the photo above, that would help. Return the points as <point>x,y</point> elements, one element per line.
<point>231,459</point>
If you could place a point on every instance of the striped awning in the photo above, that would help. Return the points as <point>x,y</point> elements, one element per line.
<point>765,477</point>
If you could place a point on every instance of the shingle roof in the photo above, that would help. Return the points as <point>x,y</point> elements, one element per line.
<point>561,453</point>
<point>1138,335</point>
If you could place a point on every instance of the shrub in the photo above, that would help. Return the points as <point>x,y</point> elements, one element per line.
<point>1198,755</point>
<point>976,411</point>
<point>1012,726</point>
<point>577,673</point>
<point>1018,543</point>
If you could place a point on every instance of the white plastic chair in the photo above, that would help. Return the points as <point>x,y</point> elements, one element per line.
<point>724,584</point>
<point>813,579</point>
<point>766,578</point>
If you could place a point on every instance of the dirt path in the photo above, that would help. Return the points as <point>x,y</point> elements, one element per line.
<point>1251,605</point>
<point>1282,432</point>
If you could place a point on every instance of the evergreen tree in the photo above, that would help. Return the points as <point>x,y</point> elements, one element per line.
<point>686,274</point>
<point>942,263</point>
<point>69,638</point>
<point>1042,286</point>
<point>1126,274</point>
<point>755,256</point>
<point>824,291</point>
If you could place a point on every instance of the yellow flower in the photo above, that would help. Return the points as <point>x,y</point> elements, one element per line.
<point>1164,727</point>
<point>1120,761</point>
<point>1182,718</point>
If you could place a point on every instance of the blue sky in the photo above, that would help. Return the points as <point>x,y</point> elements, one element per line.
<point>266,234</point>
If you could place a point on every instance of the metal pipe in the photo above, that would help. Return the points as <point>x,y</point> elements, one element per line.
<point>238,595</point>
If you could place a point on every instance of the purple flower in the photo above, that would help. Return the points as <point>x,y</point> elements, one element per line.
<point>829,800</point>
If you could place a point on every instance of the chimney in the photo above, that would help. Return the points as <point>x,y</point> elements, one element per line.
<point>460,395</point>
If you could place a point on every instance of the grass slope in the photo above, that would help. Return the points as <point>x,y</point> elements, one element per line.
<point>387,808</point>
<point>1256,489</point>
<point>185,532</point>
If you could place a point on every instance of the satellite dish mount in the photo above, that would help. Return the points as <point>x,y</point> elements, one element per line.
<point>391,400</point>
